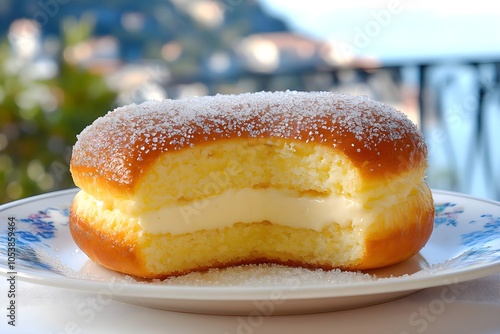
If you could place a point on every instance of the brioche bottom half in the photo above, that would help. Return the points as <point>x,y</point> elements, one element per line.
<point>117,241</point>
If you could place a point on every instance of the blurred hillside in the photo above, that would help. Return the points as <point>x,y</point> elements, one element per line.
<point>63,64</point>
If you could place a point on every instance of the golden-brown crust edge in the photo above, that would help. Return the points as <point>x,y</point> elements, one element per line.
<point>108,248</point>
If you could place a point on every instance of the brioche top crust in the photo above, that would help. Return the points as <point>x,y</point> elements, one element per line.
<point>119,148</point>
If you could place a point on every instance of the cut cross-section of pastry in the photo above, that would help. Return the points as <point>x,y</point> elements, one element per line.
<point>316,179</point>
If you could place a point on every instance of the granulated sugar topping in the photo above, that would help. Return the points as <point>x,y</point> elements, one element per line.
<point>133,134</point>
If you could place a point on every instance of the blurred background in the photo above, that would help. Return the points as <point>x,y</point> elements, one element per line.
<point>63,63</point>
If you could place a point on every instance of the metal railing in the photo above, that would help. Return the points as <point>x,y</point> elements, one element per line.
<point>456,104</point>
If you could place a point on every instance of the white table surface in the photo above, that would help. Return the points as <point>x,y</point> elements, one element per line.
<point>474,307</point>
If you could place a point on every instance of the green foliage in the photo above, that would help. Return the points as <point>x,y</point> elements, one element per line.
<point>39,119</point>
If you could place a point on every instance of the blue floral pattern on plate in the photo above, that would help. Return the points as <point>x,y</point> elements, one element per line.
<point>446,214</point>
<point>489,232</point>
<point>35,229</point>
<point>486,230</point>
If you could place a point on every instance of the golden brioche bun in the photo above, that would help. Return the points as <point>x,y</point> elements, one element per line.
<point>144,158</point>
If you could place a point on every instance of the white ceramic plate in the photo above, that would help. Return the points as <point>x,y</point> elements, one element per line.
<point>465,245</point>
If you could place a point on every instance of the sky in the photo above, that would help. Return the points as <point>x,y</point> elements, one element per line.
<point>396,30</point>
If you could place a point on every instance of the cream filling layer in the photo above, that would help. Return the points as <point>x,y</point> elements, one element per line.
<point>280,207</point>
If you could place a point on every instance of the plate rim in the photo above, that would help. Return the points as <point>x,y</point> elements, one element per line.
<point>238,293</point>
